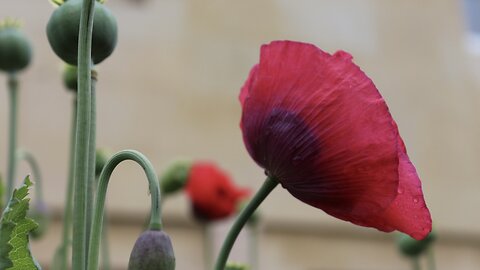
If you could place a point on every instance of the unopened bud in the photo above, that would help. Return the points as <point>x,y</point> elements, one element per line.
<point>152,251</point>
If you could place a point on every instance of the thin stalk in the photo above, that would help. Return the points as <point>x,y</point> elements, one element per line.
<point>37,176</point>
<point>253,245</point>
<point>67,214</point>
<point>12,134</point>
<point>246,213</point>
<point>154,187</point>
<point>207,245</point>
<point>431,259</point>
<point>91,165</point>
<point>79,254</point>
<point>416,263</point>
<point>105,245</point>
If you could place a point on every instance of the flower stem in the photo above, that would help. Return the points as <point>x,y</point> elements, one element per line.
<point>91,159</point>
<point>416,263</point>
<point>62,250</point>
<point>12,136</point>
<point>253,245</point>
<point>154,186</point>
<point>37,176</point>
<point>246,213</point>
<point>79,256</point>
<point>105,246</point>
<point>207,244</point>
<point>431,259</point>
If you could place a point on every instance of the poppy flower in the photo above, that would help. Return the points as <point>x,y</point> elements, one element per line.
<point>318,125</point>
<point>212,193</point>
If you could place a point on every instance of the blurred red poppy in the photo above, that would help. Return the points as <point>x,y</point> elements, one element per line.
<point>213,194</point>
<point>318,125</point>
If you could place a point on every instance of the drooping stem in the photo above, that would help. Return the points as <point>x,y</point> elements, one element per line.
<point>79,256</point>
<point>91,159</point>
<point>155,211</point>
<point>37,176</point>
<point>246,213</point>
<point>67,212</point>
<point>12,133</point>
<point>207,244</point>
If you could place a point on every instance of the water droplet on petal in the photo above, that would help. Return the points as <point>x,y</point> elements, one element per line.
<point>400,191</point>
<point>415,200</point>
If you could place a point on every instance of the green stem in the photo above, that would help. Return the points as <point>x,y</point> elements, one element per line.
<point>416,263</point>
<point>246,213</point>
<point>67,214</point>
<point>154,187</point>
<point>105,245</point>
<point>79,256</point>
<point>91,165</point>
<point>207,245</point>
<point>253,245</point>
<point>12,134</point>
<point>431,259</point>
<point>37,176</point>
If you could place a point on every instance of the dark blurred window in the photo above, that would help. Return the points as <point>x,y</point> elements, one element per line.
<point>472,14</point>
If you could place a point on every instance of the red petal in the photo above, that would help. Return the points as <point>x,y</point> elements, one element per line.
<point>318,124</point>
<point>245,89</point>
<point>213,194</point>
<point>408,213</point>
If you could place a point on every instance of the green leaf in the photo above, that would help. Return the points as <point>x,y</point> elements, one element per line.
<point>2,193</point>
<point>15,227</point>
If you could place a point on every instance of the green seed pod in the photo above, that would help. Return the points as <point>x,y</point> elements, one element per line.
<point>413,248</point>
<point>152,251</point>
<point>15,49</point>
<point>63,28</point>
<point>175,177</point>
<point>70,75</point>
<point>236,266</point>
<point>40,214</point>
<point>101,158</point>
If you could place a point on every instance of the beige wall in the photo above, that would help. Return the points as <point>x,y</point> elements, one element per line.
<point>170,90</point>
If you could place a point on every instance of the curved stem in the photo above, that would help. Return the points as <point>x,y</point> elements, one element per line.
<point>67,214</point>
<point>79,258</point>
<point>154,186</point>
<point>37,176</point>
<point>12,133</point>
<point>246,213</point>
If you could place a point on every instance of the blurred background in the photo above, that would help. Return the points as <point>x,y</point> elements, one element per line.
<point>170,90</point>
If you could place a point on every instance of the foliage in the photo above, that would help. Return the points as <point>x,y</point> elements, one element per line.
<point>15,228</point>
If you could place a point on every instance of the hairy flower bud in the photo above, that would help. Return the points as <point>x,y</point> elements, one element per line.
<point>175,177</point>
<point>153,250</point>
<point>15,49</point>
<point>63,28</point>
<point>101,158</point>
<point>70,77</point>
